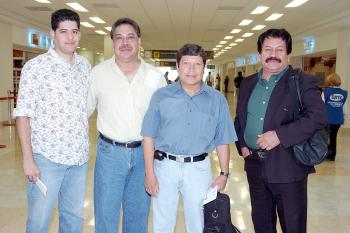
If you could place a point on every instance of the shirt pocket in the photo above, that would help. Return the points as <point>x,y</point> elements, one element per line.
<point>207,127</point>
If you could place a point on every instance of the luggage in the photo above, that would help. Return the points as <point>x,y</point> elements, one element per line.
<point>217,216</point>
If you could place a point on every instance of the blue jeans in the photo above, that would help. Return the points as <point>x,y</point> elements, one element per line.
<point>192,180</point>
<point>62,181</point>
<point>119,182</point>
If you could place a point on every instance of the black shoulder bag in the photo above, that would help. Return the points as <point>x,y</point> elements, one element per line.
<point>313,150</point>
<point>217,216</point>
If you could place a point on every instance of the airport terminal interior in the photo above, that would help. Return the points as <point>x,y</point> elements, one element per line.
<point>228,30</point>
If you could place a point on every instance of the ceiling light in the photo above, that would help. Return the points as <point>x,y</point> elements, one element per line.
<point>108,28</point>
<point>223,50</point>
<point>228,47</point>
<point>245,22</point>
<point>215,49</point>
<point>228,37</point>
<point>296,3</point>
<point>273,17</point>
<point>233,44</point>
<point>218,46</point>
<point>223,42</point>
<point>97,20</point>
<point>259,10</point>
<point>239,40</point>
<point>258,27</point>
<point>87,24</point>
<point>101,32</point>
<point>236,30</point>
<point>248,34</point>
<point>43,1</point>
<point>76,6</point>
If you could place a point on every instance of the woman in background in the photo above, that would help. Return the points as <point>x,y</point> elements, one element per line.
<point>334,98</point>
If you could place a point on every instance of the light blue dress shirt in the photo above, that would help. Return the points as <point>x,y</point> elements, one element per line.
<point>188,125</point>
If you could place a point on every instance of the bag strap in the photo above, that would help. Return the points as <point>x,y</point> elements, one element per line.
<point>295,91</point>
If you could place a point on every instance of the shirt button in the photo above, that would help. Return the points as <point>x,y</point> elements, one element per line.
<point>261,118</point>
<point>264,102</point>
<point>267,88</point>
<point>190,110</point>
<point>188,124</point>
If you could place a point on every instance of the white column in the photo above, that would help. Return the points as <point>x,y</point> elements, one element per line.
<point>343,67</point>
<point>107,47</point>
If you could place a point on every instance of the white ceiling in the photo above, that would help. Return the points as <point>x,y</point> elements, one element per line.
<point>168,24</point>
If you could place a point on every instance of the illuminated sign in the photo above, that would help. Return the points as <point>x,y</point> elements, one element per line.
<point>38,39</point>
<point>309,44</point>
<point>240,62</point>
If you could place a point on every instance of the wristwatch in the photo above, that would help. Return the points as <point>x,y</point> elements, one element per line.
<point>224,174</point>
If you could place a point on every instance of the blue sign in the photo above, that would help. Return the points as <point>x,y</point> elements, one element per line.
<point>38,39</point>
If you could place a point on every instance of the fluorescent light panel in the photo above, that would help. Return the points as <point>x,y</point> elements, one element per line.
<point>215,49</point>
<point>76,6</point>
<point>97,20</point>
<point>273,17</point>
<point>245,22</point>
<point>296,3</point>
<point>108,28</point>
<point>223,42</point>
<point>239,40</point>
<point>43,1</point>
<point>101,32</point>
<point>248,34</point>
<point>87,24</point>
<point>233,44</point>
<point>228,47</point>
<point>258,27</point>
<point>228,37</point>
<point>259,10</point>
<point>218,46</point>
<point>236,30</point>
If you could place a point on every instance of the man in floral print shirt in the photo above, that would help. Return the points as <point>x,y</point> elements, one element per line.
<point>52,125</point>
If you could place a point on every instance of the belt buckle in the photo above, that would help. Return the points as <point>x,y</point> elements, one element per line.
<point>260,154</point>
<point>180,159</point>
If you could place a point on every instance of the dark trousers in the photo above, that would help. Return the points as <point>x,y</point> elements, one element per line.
<point>288,199</point>
<point>332,147</point>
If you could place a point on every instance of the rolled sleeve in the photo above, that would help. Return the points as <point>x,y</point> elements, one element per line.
<point>225,133</point>
<point>151,120</point>
<point>28,92</point>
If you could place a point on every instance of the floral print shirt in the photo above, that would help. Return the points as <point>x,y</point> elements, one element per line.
<point>53,94</point>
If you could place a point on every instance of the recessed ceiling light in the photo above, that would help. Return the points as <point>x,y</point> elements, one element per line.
<point>108,28</point>
<point>259,10</point>
<point>43,1</point>
<point>258,27</point>
<point>228,47</point>
<point>215,49</point>
<point>273,17</point>
<point>87,24</point>
<point>248,34</point>
<point>223,50</point>
<point>245,22</point>
<point>236,30</point>
<point>223,42</point>
<point>239,40</point>
<point>97,20</point>
<point>76,6</point>
<point>228,37</point>
<point>101,32</point>
<point>218,46</point>
<point>296,3</point>
<point>233,44</point>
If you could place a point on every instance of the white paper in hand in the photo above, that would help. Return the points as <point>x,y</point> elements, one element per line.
<point>41,186</point>
<point>211,194</point>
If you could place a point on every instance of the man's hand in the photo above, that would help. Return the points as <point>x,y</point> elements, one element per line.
<point>151,184</point>
<point>245,151</point>
<point>220,182</point>
<point>31,171</point>
<point>268,140</point>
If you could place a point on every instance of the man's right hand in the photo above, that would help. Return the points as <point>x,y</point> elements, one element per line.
<point>151,184</point>
<point>31,171</point>
<point>245,151</point>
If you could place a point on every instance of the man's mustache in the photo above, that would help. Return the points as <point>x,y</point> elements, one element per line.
<point>126,46</point>
<point>273,59</point>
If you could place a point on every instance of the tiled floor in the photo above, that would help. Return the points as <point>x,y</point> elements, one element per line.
<point>329,190</point>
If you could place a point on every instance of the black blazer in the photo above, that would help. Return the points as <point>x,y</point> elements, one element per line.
<point>279,165</point>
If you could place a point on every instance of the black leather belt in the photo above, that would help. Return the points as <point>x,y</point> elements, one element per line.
<point>133,144</point>
<point>260,153</point>
<point>160,155</point>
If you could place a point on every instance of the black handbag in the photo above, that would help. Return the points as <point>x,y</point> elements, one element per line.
<point>217,216</point>
<point>313,150</point>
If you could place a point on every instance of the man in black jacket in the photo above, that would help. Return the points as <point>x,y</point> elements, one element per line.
<point>267,132</point>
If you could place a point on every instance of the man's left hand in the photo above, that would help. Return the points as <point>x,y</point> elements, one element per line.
<point>220,182</point>
<point>268,140</point>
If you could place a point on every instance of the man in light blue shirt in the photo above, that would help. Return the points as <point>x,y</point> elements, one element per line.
<point>184,122</point>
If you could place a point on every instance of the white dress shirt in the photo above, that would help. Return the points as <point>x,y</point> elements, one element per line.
<point>121,105</point>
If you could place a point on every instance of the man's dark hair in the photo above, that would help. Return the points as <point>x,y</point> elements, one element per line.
<point>191,50</point>
<point>276,33</point>
<point>63,15</point>
<point>128,21</point>
<point>239,73</point>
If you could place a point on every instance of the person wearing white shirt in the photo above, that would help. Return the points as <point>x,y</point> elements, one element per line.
<point>120,90</point>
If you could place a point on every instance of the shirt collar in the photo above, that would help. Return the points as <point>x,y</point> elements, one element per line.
<point>203,88</point>
<point>273,78</point>
<point>55,55</point>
